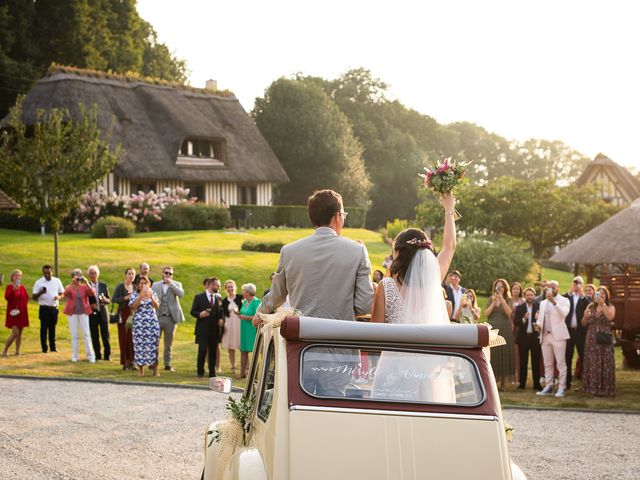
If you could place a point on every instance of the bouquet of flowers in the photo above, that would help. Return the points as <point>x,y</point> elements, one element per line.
<point>444,176</point>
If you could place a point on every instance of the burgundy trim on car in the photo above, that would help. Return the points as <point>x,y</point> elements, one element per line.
<point>290,327</point>
<point>297,396</point>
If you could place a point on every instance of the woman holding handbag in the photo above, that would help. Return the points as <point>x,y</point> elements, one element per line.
<point>17,315</point>
<point>121,296</point>
<point>599,365</point>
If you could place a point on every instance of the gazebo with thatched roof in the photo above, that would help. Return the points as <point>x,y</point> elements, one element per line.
<point>616,241</point>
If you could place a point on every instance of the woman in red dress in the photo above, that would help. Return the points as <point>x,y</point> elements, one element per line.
<point>599,366</point>
<point>17,315</point>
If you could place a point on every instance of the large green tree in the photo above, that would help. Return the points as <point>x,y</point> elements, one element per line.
<point>47,166</point>
<point>313,140</point>
<point>95,34</point>
<point>538,211</point>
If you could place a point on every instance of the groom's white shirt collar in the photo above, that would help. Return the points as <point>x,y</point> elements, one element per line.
<point>325,231</point>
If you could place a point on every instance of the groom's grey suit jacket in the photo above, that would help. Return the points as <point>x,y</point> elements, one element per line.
<point>325,275</point>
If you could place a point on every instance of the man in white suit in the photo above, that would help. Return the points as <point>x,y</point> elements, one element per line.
<point>324,275</point>
<point>553,337</point>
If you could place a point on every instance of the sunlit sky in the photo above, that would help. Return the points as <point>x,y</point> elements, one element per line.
<point>560,70</point>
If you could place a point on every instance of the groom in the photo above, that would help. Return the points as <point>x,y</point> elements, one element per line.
<point>327,276</point>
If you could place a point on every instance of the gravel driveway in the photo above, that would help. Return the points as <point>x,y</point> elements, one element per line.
<point>76,430</point>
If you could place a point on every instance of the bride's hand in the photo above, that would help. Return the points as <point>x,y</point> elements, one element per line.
<point>448,201</point>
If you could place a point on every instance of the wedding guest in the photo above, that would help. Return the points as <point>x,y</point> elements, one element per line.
<point>543,288</point>
<point>17,315</point>
<point>455,291</point>
<point>169,292</point>
<point>247,330</point>
<point>378,275</point>
<point>553,338</point>
<point>447,303</point>
<point>99,318</point>
<point>47,291</point>
<point>469,312</point>
<point>517,297</point>
<point>528,339</point>
<point>599,366</point>
<point>589,291</point>
<point>146,329</point>
<point>578,303</point>
<point>231,306</point>
<point>207,310</point>
<point>143,271</point>
<point>498,314</point>
<point>79,304</point>
<point>121,296</point>
<point>270,280</point>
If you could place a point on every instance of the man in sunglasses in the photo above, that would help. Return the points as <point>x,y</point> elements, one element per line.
<point>170,313</point>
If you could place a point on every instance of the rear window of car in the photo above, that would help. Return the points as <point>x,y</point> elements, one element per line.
<point>390,375</point>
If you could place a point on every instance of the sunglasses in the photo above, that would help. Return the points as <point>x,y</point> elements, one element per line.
<point>168,273</point>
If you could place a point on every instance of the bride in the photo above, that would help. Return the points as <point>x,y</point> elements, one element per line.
<point>413,295</point>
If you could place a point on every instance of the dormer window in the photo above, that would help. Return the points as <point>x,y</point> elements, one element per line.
<point>201,152</point>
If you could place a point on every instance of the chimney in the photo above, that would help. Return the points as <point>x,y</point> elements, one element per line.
<point>211,85</point>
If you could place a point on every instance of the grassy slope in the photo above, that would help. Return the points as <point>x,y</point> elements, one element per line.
<point>194,256</point>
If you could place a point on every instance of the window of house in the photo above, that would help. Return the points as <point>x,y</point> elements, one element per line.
<point>247,195</point>
<point>144,187</point>
<point>202,151</point>
<point>196,190</point>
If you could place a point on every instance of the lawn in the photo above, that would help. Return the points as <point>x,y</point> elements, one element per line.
<point>194,256</point>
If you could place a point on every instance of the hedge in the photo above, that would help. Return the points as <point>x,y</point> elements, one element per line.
<point>262,246</point>
<point>196,216</point>
<point>113,227</point>
<point>251,216</point>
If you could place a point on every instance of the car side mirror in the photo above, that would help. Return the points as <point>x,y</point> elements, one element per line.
<point>220,384</point>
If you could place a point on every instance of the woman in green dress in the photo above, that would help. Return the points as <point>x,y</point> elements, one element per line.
<point>498,314</point>
<point>247,330</point>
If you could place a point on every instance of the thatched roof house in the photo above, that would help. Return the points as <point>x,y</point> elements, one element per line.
<point>172,136</point>
<point>615,183</point>
<point>617,240</point>
<point>6,202</point>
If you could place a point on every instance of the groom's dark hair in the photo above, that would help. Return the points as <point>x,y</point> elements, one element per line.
<point>322,206</point>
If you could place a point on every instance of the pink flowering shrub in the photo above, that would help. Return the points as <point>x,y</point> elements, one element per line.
<point>143,209</point>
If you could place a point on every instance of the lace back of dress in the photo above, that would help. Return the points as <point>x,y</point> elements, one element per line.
<point>393,305</point>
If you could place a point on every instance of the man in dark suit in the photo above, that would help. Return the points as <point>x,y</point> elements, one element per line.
<point>207,310</point>
<point>527,339</point>
<point>454,291</point>
<point>99,319</point>
<point>578,304</point>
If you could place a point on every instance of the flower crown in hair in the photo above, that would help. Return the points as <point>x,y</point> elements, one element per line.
<point>421,244</point>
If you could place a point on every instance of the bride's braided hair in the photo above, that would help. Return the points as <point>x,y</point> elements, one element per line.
<point>407,243</point>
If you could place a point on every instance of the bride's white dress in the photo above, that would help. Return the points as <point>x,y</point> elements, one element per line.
<point>417,377</point>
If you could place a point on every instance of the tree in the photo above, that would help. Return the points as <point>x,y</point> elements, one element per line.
<point>537,211</point>
<point>94,34</point>
<point>313,141</point>
<point>46,167</point>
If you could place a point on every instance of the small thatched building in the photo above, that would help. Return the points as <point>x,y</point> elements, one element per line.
<point>6,202</point>
<point>171,136</point>
<point>616,241</point>
<point>614,182</point>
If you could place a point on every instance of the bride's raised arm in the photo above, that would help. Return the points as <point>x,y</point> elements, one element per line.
<point>449,238</point>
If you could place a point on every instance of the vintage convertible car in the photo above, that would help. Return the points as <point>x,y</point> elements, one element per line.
<point>348,400</point>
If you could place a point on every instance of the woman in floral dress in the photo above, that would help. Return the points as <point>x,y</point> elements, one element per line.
<point>146,330</point>
<point>599,366</point>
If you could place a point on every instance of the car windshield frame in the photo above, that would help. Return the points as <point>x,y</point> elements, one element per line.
<point>426,350</point>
